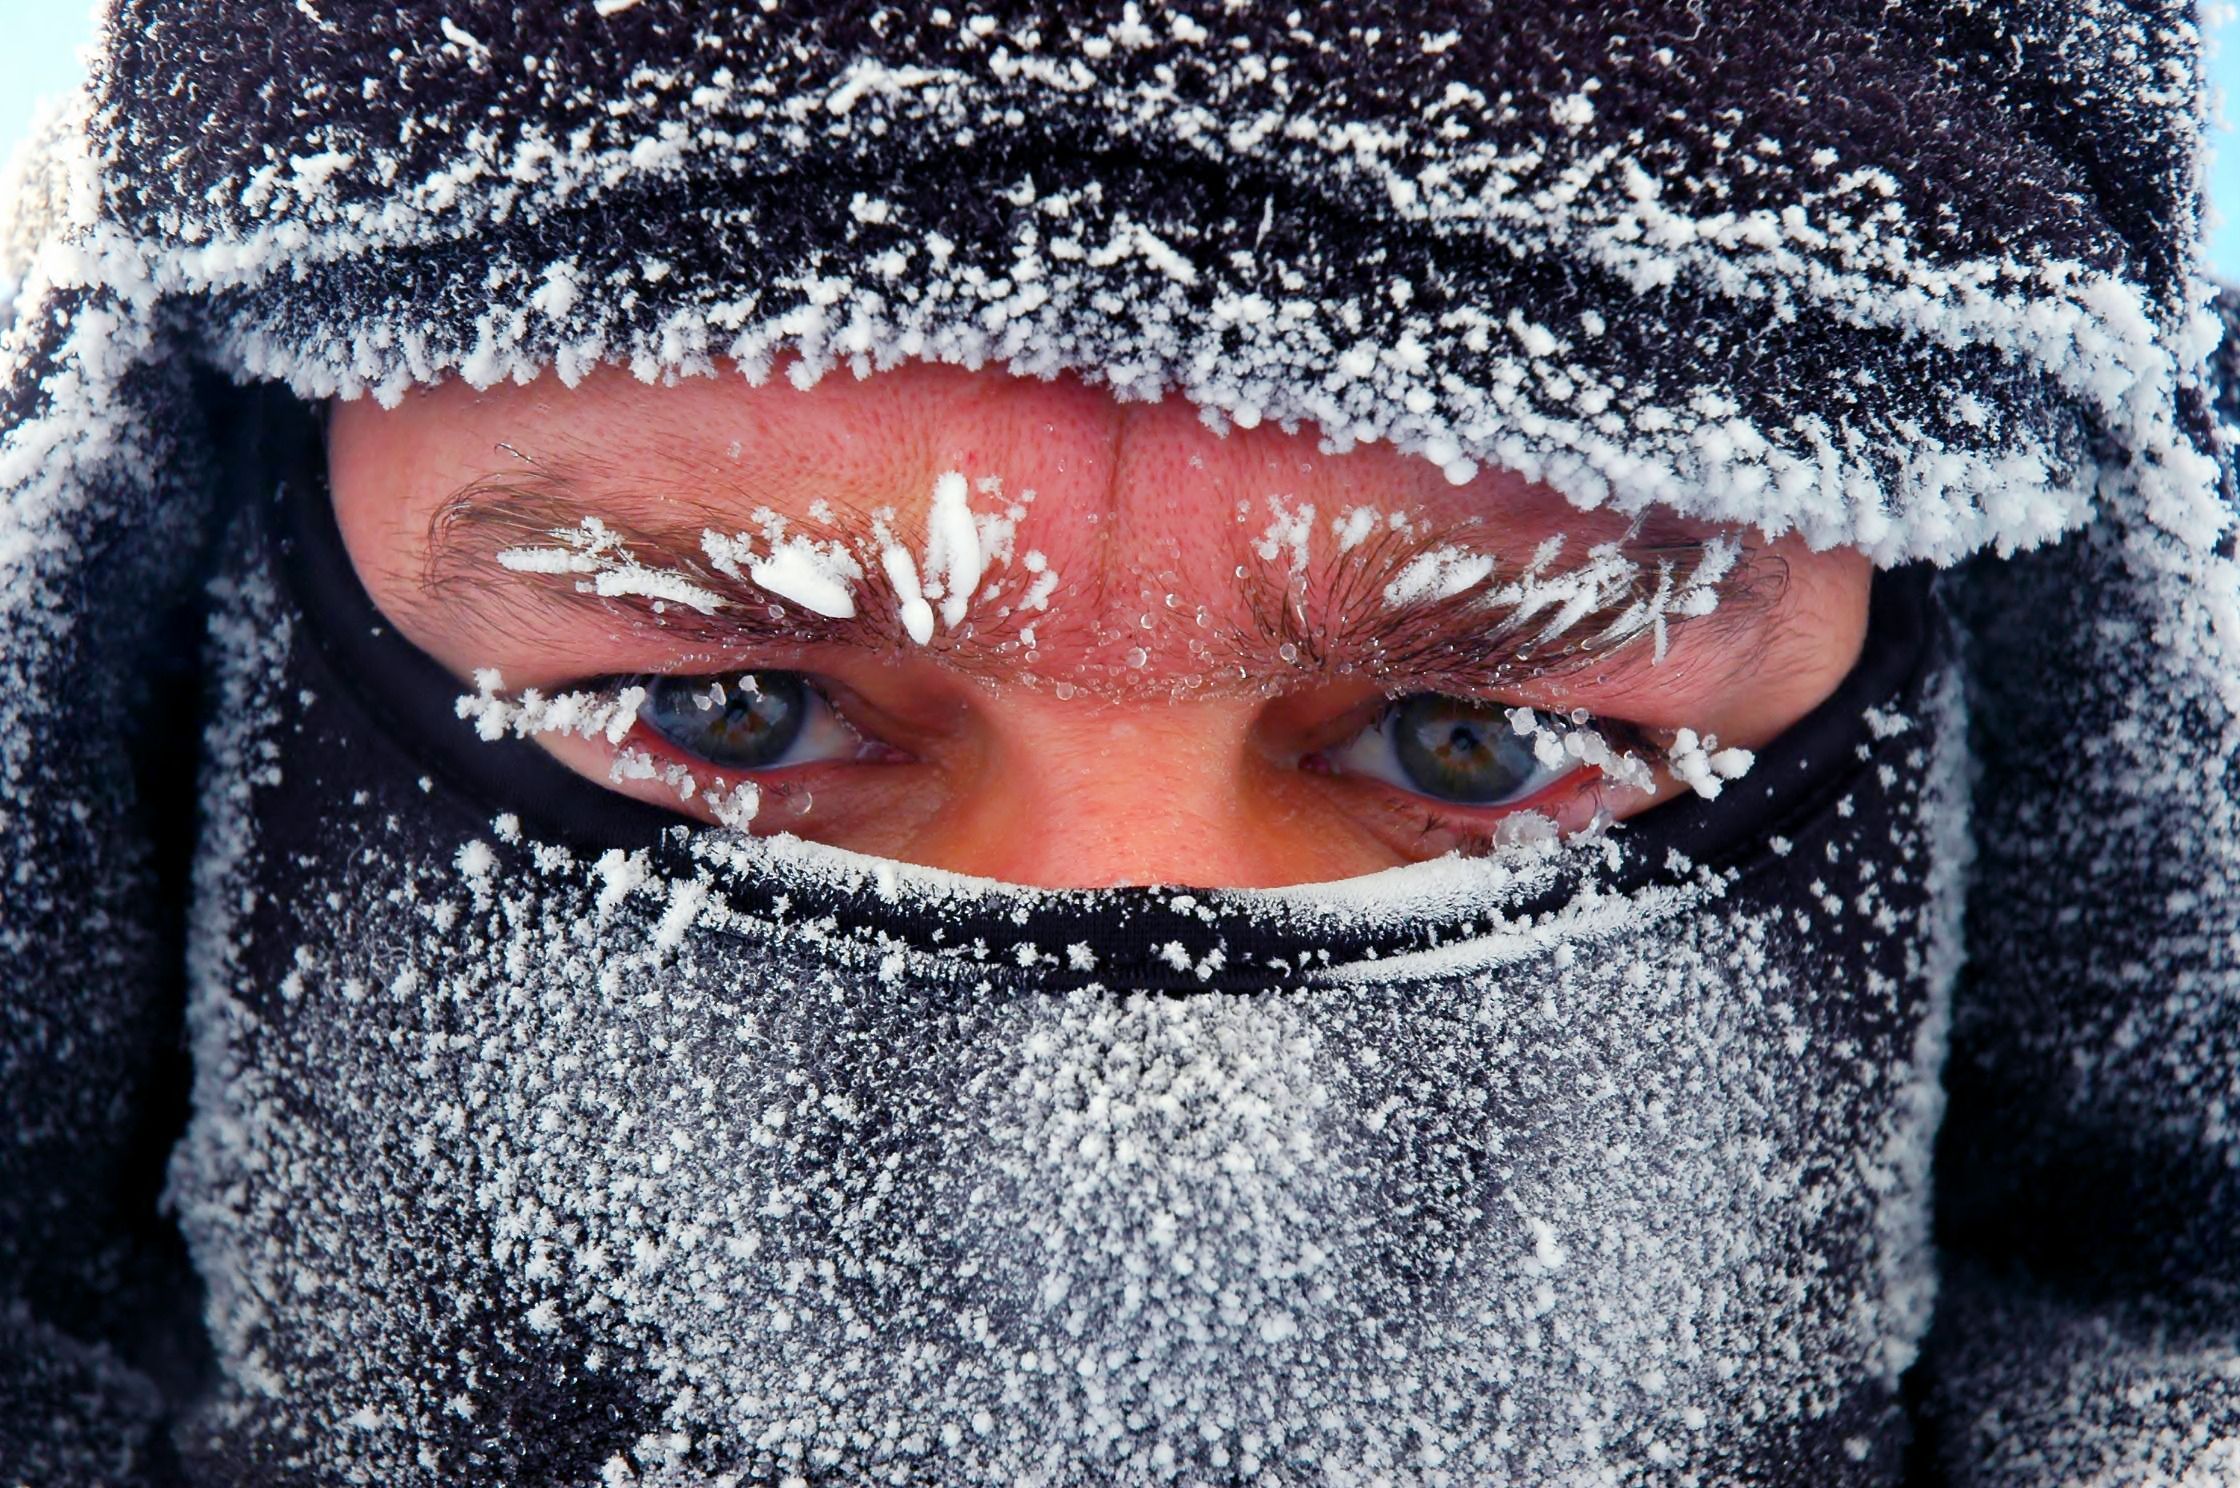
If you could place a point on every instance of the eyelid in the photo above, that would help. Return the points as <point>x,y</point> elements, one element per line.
<point>827,714</point>
<point>1372,753</point>
<point>1594,770</point>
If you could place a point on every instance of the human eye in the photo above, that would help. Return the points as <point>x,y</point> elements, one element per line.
<point>745,721</point>
<point>1456,751</point>
<point>761,749</point>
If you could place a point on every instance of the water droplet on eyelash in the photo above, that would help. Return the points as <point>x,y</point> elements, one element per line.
<point>1138,657</point>
<point>1289,653</point>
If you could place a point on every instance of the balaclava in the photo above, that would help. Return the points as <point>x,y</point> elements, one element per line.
<point>538,1139</point>
<point>785,1163</point>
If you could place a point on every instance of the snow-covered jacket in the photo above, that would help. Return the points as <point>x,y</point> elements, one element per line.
<point>331,1153</point>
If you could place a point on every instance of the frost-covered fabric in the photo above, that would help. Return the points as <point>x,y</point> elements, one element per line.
<point>1922,280</point>
<point>1881,277</point>
<point>524,1156</point>
<point>2091,1174</point>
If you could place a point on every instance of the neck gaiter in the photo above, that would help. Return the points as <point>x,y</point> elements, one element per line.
<point>541,1139</point>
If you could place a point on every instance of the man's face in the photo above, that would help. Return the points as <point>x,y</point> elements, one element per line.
<point>1015,628</point>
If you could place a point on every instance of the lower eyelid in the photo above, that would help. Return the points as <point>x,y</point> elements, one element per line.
<point>825,715</point>
<point>1568,784</point>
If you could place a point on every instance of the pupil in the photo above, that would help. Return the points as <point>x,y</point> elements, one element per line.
<point>743,721</point>
<point>1457,750</point>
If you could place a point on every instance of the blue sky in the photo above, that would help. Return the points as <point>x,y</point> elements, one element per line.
<point>40,58</point>
<point>43,37</point>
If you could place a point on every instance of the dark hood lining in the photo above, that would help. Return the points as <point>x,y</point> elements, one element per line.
<point>405,703</point>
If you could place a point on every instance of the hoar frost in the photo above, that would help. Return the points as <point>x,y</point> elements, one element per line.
<point>716,1115</point>
<point>821,575</point>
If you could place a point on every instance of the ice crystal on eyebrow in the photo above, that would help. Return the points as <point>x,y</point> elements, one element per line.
<point>1043,585</point>
<point>953,557</point>
<point>818,576</point>
<point>910,599</point>
<point>1353,528</point>
<point>1439,574</point>
<point>1610,583</point>
<point>595,549</point>
<point>961,547</point>
<point>1290,530</point>
<point>823,575</point>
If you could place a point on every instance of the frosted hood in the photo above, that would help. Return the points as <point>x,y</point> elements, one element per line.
<point>1587,245</point>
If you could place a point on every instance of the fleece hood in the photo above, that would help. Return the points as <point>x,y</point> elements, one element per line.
<point>1924,282</point>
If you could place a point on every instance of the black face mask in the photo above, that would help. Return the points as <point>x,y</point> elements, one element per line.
<point>540,1138</point>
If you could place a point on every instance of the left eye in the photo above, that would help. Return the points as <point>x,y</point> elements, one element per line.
<point>1450,749</point>
<point>747,721</point>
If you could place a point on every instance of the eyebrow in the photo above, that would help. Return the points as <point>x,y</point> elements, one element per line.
<point>1335,618</point>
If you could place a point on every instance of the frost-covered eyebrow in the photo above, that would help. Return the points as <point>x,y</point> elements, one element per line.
<point>464,580</point>
<point>1338,615</point>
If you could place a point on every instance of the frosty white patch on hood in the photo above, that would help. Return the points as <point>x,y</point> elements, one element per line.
<point>1091,280</point>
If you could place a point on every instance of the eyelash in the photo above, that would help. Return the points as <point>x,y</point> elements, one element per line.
<point>806,711</point>
<point>777,711</point>
<point>1476,827</point>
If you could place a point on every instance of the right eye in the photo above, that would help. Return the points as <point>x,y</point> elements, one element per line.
<point>747,721</point>
<point>1450,749</point>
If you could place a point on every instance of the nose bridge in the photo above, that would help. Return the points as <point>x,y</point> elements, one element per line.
<point>1151,792</point>
<point>1131,503</point>
<point>1054,447</point>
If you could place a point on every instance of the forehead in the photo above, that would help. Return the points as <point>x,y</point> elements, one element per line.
<point>1103,488</point>
<point>1130,545</point>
